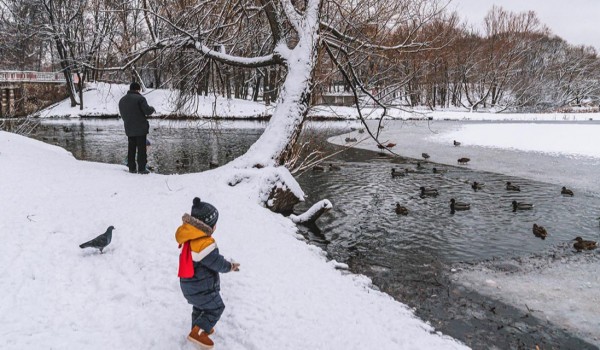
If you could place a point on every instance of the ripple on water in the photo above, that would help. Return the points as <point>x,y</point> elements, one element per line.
<point>364,196</point>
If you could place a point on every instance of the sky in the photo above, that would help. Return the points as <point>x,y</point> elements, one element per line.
<point>576,21</point>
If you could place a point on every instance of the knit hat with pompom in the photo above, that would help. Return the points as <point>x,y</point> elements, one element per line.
<point>205,212</point>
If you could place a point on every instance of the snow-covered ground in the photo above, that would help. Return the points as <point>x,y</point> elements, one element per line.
<point>559,153</point>
<point>564,292</point>
<point>56,295</point>
<point>101,99</point>
<point>342,112</point>
<point>562,140</point>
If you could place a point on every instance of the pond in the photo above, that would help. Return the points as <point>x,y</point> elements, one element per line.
<point>408,257</point>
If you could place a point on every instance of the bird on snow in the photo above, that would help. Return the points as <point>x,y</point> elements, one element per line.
<point>425,156</point>
<point>101,241</point>
<point>463,160</point>
<point>456,143</point>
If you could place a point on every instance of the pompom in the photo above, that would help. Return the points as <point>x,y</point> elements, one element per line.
<point>196,202</point>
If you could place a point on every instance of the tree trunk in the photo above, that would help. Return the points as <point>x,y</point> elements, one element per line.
<point>275,145</point>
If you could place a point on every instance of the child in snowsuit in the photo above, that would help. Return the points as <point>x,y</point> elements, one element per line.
<point>199,266</point>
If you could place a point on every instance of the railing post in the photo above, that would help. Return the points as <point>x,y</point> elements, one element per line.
<point>4,104</point>
<point>11,101</point>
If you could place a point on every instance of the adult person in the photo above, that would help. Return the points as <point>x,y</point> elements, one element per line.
<point>134,110</point>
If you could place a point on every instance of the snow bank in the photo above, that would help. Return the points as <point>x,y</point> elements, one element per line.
<point>563,154</point>
<point>559,139</point>
<point>56,295</point>
<point>566,294</point>
<point>371,113</point>
<point>101,99</point>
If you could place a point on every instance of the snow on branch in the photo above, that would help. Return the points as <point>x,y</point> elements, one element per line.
<point>275,187</point>
<point>347,38</point>
<point>292,15</point>
<point>312,214</point>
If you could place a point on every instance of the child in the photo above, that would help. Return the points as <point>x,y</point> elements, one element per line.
<point>199,266</point>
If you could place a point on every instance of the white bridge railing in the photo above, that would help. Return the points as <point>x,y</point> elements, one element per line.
<point>30,76</point>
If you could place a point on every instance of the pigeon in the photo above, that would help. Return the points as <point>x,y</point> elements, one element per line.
<point>101,241</point>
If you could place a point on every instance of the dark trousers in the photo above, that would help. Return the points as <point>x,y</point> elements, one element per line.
<point>136,143</point>
<point>207,317</point>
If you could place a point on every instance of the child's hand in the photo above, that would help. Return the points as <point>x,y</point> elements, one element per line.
<point>235,266</point>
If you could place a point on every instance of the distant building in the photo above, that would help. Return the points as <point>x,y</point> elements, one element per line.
<point>334,99</point>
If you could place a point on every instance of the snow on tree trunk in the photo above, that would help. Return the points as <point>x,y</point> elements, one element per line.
<point>273,147</point>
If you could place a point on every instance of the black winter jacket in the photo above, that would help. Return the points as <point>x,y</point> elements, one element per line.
<point>201,289</point>
<point>134,108</point>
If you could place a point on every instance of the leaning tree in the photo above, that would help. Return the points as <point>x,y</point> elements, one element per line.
<point>296,35</point>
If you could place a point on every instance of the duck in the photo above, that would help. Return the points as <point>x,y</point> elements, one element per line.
<point>456,143</point>
<point>318,168</point>
<point>425,156</point>
<point>521,206</point>
<point>463,160</point>
<point>397,173</point>
<point>401,210</point>
<point>439,171</point>
<point>454,205</point>
<point>477,186</point>
<point>584,245</point>
<point>428,192</point>
<point>511,187</point>
<point>566,192</point>
<point>333,167</point>
<point>350,139</point>
<point>539,231</point>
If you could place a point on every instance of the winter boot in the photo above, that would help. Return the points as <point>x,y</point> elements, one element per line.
<point>200,338</point>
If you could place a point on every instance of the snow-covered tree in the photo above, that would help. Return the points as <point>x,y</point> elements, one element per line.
<point>285,33</point>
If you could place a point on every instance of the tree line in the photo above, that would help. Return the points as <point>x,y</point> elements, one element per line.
<point>512,63</point>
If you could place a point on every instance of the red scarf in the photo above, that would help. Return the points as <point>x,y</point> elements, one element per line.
<point>186,265</point>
